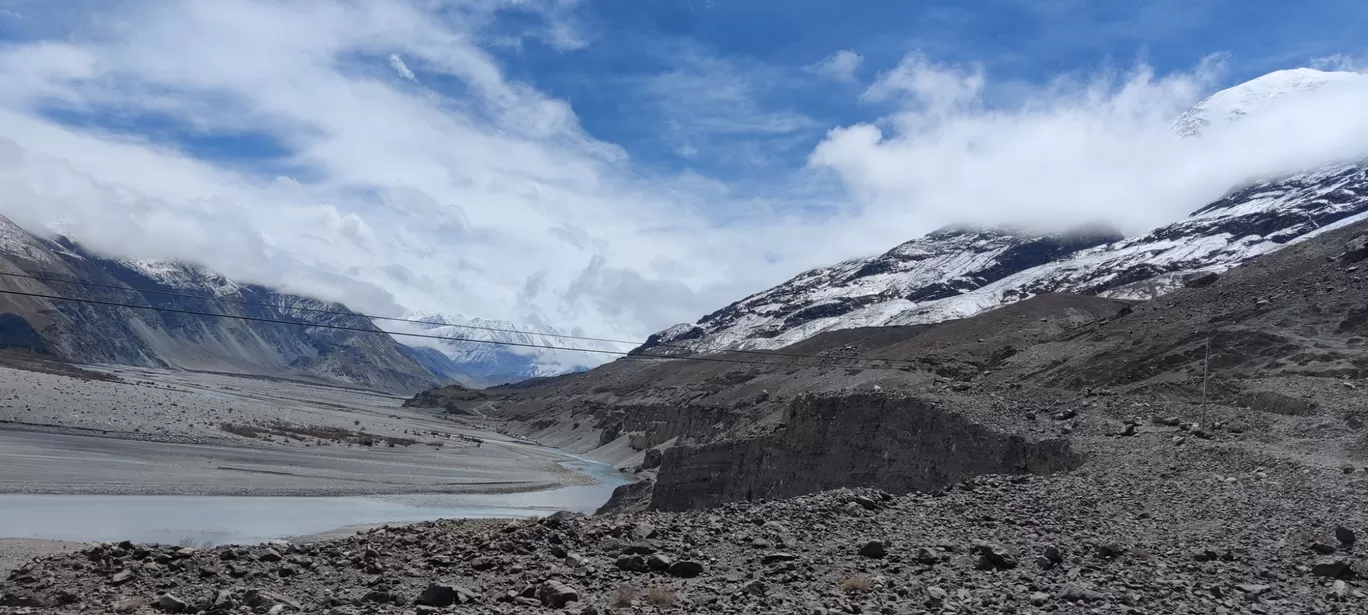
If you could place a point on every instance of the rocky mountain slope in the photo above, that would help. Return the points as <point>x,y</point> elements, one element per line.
<point>1036,386</point>
<point>1053,455</point>
<point>956,273</point>
<point>90,333</point>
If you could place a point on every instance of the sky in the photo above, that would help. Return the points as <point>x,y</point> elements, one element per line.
<point>613,167</point>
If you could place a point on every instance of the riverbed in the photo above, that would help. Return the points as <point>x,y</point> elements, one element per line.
<point>148,459</point>
<point>204,521</point>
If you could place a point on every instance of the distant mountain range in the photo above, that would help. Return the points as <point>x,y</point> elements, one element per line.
<point>91,333</point>
<point>959,272</point>
<point>518,351</point>
<point>88,333</point>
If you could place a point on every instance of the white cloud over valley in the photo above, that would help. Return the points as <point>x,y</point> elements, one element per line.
<point>489,198</point>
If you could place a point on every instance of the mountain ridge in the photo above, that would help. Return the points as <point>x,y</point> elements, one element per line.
<point>1250,220</point>
<point>150,336</point>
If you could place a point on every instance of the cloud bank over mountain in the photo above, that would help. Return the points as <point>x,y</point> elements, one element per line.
<point>391,156</point>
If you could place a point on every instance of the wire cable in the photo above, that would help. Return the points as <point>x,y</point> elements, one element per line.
<point>767,353</point>
<point>377,330</point>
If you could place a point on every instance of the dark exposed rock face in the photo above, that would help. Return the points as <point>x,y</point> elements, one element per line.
<point>899,445</point>
<point>628,498</point>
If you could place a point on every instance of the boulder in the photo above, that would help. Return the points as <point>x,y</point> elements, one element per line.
<point>1345,535</point>
<point>171,604</point>
<point>441,595</point>
<point>685,569</point>
<point>1333,568</point>
<point>556,594</point>
<point>994,557</point>
<point>658,562</point>
<point>874,549</point>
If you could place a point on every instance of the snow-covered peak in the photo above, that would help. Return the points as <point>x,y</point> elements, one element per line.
<point>184,276</point>
<point>15,241</point>
<point>429,320</point>
<point>1261,94</point>
<point>502,349</point>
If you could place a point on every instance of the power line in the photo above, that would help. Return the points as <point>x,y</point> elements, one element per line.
<point>304,309</point>
<point>431,336</point>
<point>767,353</point>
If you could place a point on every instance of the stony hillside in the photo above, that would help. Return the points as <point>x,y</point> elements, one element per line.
<point>1038,386</point>
<point>1252,541</point>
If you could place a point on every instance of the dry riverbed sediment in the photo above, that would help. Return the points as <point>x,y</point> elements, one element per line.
<point>157,433</point>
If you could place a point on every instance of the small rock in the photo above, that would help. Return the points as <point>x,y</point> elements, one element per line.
<point>1064,415</point>
<point>1333,567</point>
<point>442,596</point>
<point>1253,590</point>
<point>874,549</point>
<point>866,503</point>
<point>994,557</point>
<point>121,577</point>
<point>128,605</point>
<point>631,563</point>
<point>1322,548</point>
<point>926,556</point>
<point>1109,550</point>
<point>658,562</point>
<point>775,558</point>
<point>269,555</point>
<point>171,604</point>
<point>936,594</point>
<point>1039,598</point>
<point>1077,593</point>
<point>1345,535</point>
<point>685,569</point>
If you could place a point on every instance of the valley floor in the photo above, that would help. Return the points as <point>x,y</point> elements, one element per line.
<point>147,432</point>
<point>155,432</point>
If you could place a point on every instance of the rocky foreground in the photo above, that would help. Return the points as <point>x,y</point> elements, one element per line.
<point>1149,538</point>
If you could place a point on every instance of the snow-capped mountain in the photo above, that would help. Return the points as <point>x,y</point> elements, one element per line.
<point>499,351</point>
<point>1261,94</point>
<point>92,333</point>
<point>869,291</point>
<point>958,273</point>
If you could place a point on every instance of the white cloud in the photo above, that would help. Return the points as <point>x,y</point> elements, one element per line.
<point>1075,150</point>
<point>839,66</point>
<point>400,199</point>
<point>397,63</point>
<point>496,203</point>
<point>1340,62</point>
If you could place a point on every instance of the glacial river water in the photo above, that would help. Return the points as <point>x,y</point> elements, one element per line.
<point>213,520</point>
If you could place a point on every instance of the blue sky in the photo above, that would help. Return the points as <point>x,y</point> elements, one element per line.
<point>615,166</point>
<point>629,43</point>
